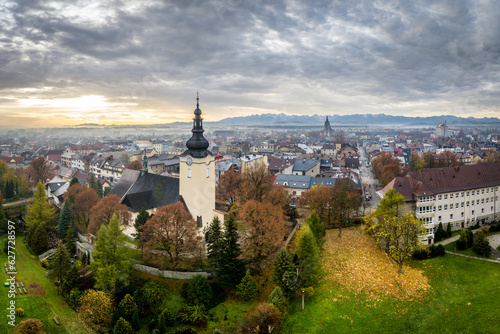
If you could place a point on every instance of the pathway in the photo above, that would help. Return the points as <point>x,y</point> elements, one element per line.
<point>17,202</point>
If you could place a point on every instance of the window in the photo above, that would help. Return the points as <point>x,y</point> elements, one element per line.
<point>467,193</point>
<point>446,206</point>
<point>462,214</point>
<point>451,206</point>
<point>451,195</point>
<point>482,210</point>
<point>462,194</point>
<point>439,197</point>
<point>462,205</point>
<point>477,192</point>
<point>491,209</point>
<point>487,200</point>
<point>439,207</point>
<point>439,218</point>
<point>487,190</point>
<point>467,203</point>
<point>478,201</point>
<point>482,191</point>
<point>456,205</point>
<point>189,172</point>
<point>457,225</point>
<point>208,172</point>
<point>199,221</point>
<point>473,212</point>
<point>445,196</point>
<point>451,216</point>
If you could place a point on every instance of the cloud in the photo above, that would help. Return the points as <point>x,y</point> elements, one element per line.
<point>296,57</point>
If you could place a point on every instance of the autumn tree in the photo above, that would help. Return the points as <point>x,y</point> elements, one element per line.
<point>135,165</point>
<point>345,202</point>
<point>173,231</point>
<point>111,265</point>
<point>320,200</point>
<point>39,169</point>
<point>386,167</point>
<point>96,309</point>
<point>64,221</point>
<point>39,212</point>
<point>59,264</point>
<point>447,159</point>
<point>228,187</point>
<point>256,183</point>
<point>416,163</point>
<point>72,192</point>
<point>83,206</point>
<point>263,231</point>
<point>429,160</point>
<point>105,209</point>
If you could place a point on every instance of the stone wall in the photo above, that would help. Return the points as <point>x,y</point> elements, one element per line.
<point>169,273</point>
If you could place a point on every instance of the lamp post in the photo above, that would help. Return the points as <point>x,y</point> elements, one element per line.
<point>302,300</point>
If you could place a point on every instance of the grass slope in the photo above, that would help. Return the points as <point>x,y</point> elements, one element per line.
<point>463,298</point>
<point>43,308</point>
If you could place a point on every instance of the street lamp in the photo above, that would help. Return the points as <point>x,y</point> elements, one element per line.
<point>302,300</point>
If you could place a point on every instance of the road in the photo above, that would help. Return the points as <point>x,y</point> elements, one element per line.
<point>368,180</point>
<point>17,202</point>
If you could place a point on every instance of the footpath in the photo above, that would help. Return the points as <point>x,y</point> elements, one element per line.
<point>494,242</point>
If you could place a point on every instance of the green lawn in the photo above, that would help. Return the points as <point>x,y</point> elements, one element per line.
<point>43,308</point>
<point>464,298</point>
<point>453,248</point>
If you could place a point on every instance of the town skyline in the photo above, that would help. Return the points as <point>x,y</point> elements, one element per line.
<point>127,63</point>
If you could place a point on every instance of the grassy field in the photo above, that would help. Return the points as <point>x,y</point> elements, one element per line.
<point>39,307</point>
<point>462,297</point>
<point>452,247</point>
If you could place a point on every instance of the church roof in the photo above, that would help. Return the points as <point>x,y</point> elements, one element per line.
<point>197,145</point>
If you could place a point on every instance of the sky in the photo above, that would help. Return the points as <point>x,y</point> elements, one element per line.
<point>64,63</point>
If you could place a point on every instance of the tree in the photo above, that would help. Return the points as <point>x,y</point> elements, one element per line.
<point>151,296</point>
<point>309,260</point>
<point>448,230</point>
<point>135,165</point>
<point>122,326</point>
<point>127,307</point>
<point>83,206</point>
<point>111,265</point>
<point>344,204</point>
<point>4,223</point>
<point>462,242</point>
<point>263,230</point>
<point>247,289</point>
<point>59,264</point>
<point>105,209</point>
<point>228,187</point>
<point>447,159</point>
<point>96,309</point>
<point>386,167</point>
<point>96,185</point>
<point>481,245</point>
<point>39,169</point>
<point>140,220</point>
<point>162,328</point>
<point>320,200</point>
<point>403,237</point>
<point>136,324</point>
<point>284,275</point>
<point>415,163</point>
<point>40,211</point>
<point>278,299</point>
<point>389,172</point>
<point>64,221</point>
<point>172,230</point>
<point>230,267</point>
<point>256,183</point>
<point>39,240</point>
<point>440,233</point>
<point>214,241</point>
<point>71,280</point>
<point>317,227</point>
<point>73,182</point>
<point>198,291</point>
<point>30,326</point>
<point>71,240</point>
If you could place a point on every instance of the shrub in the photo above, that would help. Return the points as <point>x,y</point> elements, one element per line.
<point>278,299</point>
<point>420,254</point>
<point>485,229</point>
<point>198,291</point>
<point>136,324</point>
<point>247,289</point>
<point>19,312</point>
<point>162,328</point>
<point>481,245</point>
<point>448,230</point>
<point>45,263</point>
<point>169,317</point>
<point>462,243</point>
<point>216,331</point>
<point>30,326</point>
<point>498,248</point>
<point>440,251</point>
<point>194,314</point>
<point>127,307</point>
<point>123,327</point>
<point>263,316</point>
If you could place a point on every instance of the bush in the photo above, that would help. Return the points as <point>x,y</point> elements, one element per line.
<point>197,291</point>
<point>30,326</point>
<point>136,324</point>
<point>263,316</point>
<point>420,254</point>
<point>440,251</point>
<point>123,327</point>
<point>481,245</point>
<point>169,317</point>
<point>247,289</point>
<point>495,228</point>
<point>127,307</point>
<point>19,312</point>
<point>194,314</point>
<point>278,299</point>
<point>45,263</point>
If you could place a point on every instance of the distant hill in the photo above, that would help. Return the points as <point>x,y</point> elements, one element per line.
<point>360,119</point>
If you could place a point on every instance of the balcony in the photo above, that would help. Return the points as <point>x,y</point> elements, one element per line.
<point>424,214</point>
<point>427,203</point>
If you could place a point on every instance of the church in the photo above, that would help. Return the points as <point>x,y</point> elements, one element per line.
<point>327,131</point>
<point>195,187</point>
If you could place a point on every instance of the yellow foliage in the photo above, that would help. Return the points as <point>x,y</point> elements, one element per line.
<point>96,308</point>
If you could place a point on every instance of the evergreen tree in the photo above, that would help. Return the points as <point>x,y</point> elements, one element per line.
<point>317,227</point>
<point>4,222</point>
<point>71,280</point>
<point>39,240</point>
<point>214,241</point>
<point>39,212</point>
<point>308,252</point>
<point>247,289</point>
<point>71,240</point>
<point>136,324</point>
<point>140,220</point>
<point>64,221</point>
<point>59,264</point>
<point>448,230</point>
<point>127,307</point>
<point>198,291</point>
<point>96,185</point>
<point>462,243</point>
<point>284,274</point>
<point>74,181</point>
<point>122,326</point>
<point>9,189</point>
<point>111,264</point>
<point>230,267</point>
<point>440,233</point>
<point>161,324</point>
<point>481,245</point>
<point>278,299</point>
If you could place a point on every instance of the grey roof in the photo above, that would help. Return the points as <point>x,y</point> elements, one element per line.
<point>324,181</point>
<point>127,180</point>
<point>303,165</point>
<point>326,163</point>
<point>152,191</point>
<point>294,181</point>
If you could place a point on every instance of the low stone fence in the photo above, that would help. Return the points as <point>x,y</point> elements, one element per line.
<point>170,273</point>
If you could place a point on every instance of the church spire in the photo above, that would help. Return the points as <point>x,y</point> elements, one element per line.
<point>197,144</point>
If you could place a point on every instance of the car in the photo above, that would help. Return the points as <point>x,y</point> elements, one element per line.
<point>368,195</point>
<point>367,198</point>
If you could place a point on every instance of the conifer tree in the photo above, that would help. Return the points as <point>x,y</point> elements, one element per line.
<point>64,221</point>
<point>247,289</point>
<point>284,274</point>
<point>136,324</point>
<point>308,253</point>
<point>440,233</point>
<point>161,324</point>
<point>59,264</point>
<point>122,326</point>
<point>111,265</point>
<point>481,245</point>
<point>3,219</point>
<point>39,240</point>
<point>278,299</point>
<point>74,181</point>
<point>448,230</point>
<point>231,268</point>
<point>214,241</point>
<point>317,227</point>
<point>40,211</point>
<point>127,307</point>
<point>71,280</point>
<point>140,220</point>
<point>71,240</point>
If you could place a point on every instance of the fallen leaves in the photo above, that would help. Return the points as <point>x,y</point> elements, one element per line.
<point>355,262</point>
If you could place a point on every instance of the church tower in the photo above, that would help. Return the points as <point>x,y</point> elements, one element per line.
<point>327,132</point>
<point>197,174</point>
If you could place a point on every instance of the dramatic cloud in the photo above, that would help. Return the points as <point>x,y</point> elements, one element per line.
<point>66,62</point>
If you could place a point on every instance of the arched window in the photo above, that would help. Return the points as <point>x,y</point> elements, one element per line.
<point>189,172</point>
